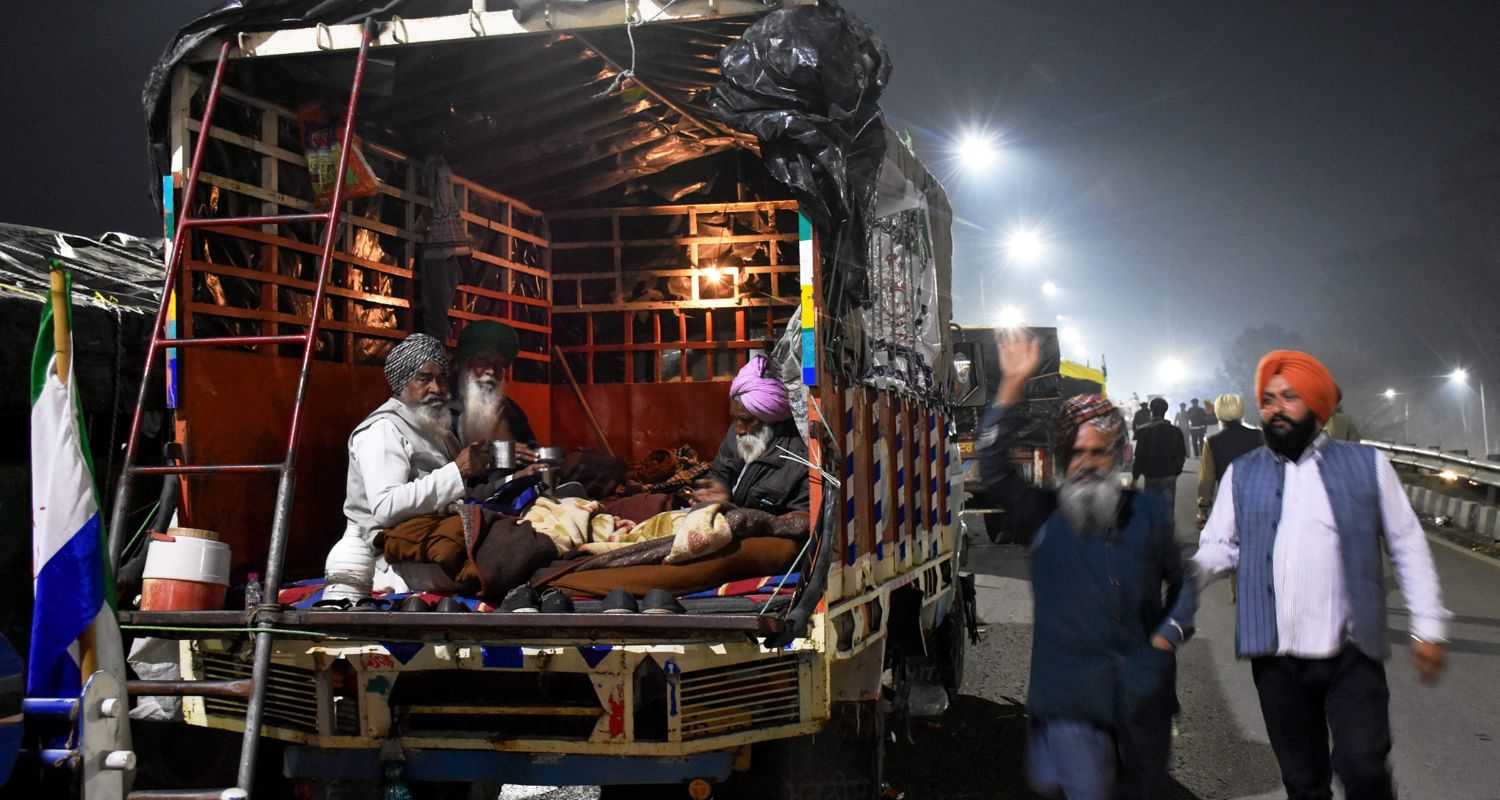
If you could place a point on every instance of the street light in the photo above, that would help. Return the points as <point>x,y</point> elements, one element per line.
<point>977,151</point>
<point>1460,376</point>
<point>1171,370</point>
<point>1025,245</point>
<point>1390,396</point>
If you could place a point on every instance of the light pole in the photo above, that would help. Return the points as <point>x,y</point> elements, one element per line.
<point>1390,396</point>
<point>1461,377</point>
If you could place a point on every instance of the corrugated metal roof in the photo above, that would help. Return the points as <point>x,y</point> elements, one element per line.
<point>550,116</point>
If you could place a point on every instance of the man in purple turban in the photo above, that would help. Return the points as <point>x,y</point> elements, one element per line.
<point>751,470</point>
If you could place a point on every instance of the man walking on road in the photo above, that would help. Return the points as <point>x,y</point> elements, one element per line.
<point>1103,669</point>
<point>1197,426</point>
<point>1159,455</point>
<point>1142,416</point>
<point>1302,519</point>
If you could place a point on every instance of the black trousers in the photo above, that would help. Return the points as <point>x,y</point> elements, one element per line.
<point>1304,699</point>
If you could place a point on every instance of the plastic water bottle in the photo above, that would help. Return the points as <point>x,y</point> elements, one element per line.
<point>253,591</point>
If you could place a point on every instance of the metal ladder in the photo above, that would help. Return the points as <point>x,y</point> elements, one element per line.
<point>264,619</point>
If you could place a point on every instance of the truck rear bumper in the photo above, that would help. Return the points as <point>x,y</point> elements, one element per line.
<point>540,769</point>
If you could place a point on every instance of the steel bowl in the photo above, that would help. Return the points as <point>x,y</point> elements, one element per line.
<point>552,456</point>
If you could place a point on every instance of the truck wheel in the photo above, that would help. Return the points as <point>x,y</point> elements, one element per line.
<point>843,760</point>
<point>953,643</point>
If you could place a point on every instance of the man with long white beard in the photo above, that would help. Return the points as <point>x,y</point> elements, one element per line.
<point>1103,664</point>
<point>749,471</point>
<point>404,462</point>
<point>483,411</point>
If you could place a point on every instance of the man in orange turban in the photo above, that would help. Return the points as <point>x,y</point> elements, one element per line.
<point>1304,523</point>
<point>1297,396</point>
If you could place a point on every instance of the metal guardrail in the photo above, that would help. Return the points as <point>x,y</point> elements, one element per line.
<point>1462,467</point>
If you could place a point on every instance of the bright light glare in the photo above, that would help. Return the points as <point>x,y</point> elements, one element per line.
<point>1025,245</point>
<point>1390,394</point>
<point>1171,370</point>
<point>1049,289</point>
<point>977,151</point>
<point>1448,475</point>
<point>712,274</point>
<point>1010,317</point>
<point>1459,375</point>
<point>1071,340</point>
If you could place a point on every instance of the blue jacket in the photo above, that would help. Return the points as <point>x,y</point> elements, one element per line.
<point>1098,596</point>
<point>1348,472</point>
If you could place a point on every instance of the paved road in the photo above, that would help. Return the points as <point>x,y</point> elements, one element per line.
<point>1447,738</point>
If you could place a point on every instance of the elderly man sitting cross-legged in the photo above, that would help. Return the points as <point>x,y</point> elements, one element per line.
<point>406,471</point>
<point>749,471</point>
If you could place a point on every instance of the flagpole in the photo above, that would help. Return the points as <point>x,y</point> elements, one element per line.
<point>62,347</point>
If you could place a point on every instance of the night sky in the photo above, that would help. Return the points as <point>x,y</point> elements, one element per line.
<point>1197,170</point>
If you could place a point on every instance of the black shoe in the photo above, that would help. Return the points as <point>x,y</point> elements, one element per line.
<point>661,601</point>
<point>556,601</point>
<point>451,605</point>
<point>521,600</point>
<point>414,603</point>
<point>619,601</point>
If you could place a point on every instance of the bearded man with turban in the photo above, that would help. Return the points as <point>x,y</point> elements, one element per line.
<point>1111,600</point>
<point>1302,520</point>
<point>749,471</point>
<point>404,462</point>
<point>482,409</point>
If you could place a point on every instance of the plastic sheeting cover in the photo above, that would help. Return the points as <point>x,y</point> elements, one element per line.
<point>115,271</point>
<point>807,82</point>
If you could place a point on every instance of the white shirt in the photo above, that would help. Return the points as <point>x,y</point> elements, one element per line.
<point>1312,607</point>
<point>396,472</point>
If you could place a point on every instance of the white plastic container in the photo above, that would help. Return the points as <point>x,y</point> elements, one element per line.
<point>187,569</point>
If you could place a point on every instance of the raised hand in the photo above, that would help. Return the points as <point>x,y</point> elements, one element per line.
<point>1020,354</point>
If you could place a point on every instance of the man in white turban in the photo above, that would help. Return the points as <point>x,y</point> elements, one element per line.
<point>750,471</point>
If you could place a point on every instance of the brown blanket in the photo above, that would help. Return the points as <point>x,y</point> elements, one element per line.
<point>506,551</point>
<point>746,558</point>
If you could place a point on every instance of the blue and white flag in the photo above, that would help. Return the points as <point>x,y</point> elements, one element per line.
<point>68,546</point>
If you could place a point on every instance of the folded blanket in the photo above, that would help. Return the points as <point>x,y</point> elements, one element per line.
<point>748,558</point>
<point>570,522</point>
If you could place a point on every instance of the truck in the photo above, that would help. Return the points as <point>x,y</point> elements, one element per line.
<point>649,193</point>
<point>977,379</point>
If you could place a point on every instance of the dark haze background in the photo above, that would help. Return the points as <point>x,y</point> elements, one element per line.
<point>1328,175</point>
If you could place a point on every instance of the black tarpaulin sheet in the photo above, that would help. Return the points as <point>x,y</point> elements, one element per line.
<point>806,82</point>
<point>115,271</point>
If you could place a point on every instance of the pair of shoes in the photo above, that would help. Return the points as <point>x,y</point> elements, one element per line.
<point>656,601</point>
<point>344,604</point>
<point>447,605</point>
<point>524,600</point>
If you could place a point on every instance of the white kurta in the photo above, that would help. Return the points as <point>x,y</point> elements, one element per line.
<point>1312,605</point>
<point>397,472</point>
